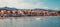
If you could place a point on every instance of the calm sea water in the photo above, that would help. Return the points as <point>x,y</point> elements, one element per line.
<point>30,22</point>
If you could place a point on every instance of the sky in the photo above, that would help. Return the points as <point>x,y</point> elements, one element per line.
<point>31,4</point>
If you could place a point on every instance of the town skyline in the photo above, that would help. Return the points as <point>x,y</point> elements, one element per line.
<point>13,12</point>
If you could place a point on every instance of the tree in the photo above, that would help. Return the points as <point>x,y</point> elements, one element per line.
<point>58,12</point>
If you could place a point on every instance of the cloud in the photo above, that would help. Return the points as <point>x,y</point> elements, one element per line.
<point>56,8</point>
<point>21,4</point>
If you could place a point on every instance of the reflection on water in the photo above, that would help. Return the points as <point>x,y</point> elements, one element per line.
<point>30,22</point>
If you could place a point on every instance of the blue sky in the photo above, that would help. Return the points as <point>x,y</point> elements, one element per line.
<point>25,4</point>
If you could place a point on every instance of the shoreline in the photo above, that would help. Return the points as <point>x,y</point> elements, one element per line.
<point>27,17</point>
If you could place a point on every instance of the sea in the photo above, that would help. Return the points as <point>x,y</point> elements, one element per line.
<point>37,21</point>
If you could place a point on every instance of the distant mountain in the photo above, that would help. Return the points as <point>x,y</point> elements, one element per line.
<point>8,8</point>
<point>45,9</point>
